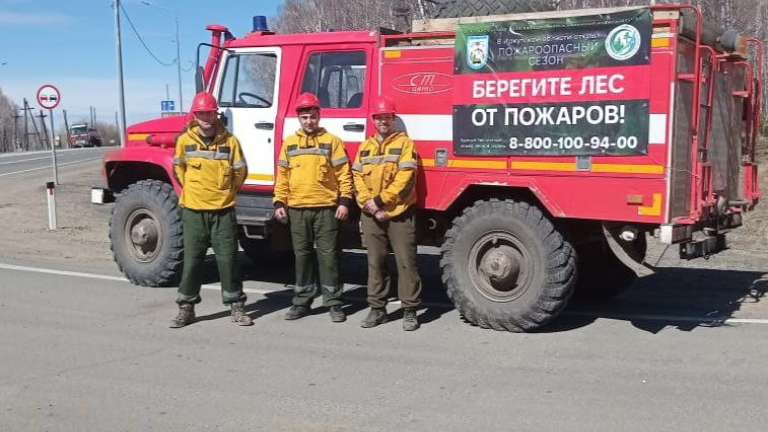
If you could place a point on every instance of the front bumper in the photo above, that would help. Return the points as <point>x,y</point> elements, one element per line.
<point>101,195</point>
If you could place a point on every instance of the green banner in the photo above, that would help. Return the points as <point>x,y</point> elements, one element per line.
<point>618,39</point>
<point>554,87</point>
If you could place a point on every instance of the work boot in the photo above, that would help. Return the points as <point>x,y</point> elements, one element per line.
<point>185,317</point>
<point>375,317</point>
<point>296,312</point>
<point>410,320</point>
<point>239,316</point>
<point>337,315</point>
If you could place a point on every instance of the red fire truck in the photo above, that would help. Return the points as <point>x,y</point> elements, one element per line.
<point>550,146</point>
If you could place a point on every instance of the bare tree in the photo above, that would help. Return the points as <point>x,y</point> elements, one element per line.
<point>8,131</point>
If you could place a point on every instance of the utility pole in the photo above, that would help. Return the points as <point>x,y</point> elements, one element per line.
<point>66,127</point>
<point>37,131</point>
<point>178,63</point>
<point>121,87</point>
<point>16,143</point>
<point>178,49</point>
<point>27,110</point>
<point>42,126</point>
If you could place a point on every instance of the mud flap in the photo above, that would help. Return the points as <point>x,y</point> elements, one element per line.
<point>625,252</point>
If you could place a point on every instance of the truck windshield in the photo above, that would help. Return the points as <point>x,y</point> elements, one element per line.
<point>78,129</point>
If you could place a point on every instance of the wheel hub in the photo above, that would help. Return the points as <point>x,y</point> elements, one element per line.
<point>500,266</point>
<point>143,235</point>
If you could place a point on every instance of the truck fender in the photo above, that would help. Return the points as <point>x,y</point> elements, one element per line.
<point>494,180</point>
<point>160,158</point>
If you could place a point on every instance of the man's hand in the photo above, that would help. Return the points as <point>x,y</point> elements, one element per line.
<point>342,212</point>
<point>381,216</point>
<point>371,207</point>
<point>280,213</point>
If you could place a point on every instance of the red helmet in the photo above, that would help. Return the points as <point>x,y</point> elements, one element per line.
<point>204,102</point>
<point>383,105</point>
<point>307,100</point>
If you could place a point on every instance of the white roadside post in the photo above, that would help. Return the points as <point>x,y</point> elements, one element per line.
<point>51,195</point>
<point>49,97</point>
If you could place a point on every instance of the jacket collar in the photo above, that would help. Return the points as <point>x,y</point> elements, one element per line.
<point>309,140</point>
<point>391,137</point>
<point>193,131</point>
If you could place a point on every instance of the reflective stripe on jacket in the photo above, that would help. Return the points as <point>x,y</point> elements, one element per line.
<point>313,171</point>
<point>386,173</point>
<point>210,175</point>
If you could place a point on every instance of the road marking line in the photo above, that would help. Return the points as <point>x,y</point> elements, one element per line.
<point>32,153</point>
<point>591,314</point>
<point>111,278</point>
<point>670,318</point>
<point>24,160</point>
<point>49,167</point>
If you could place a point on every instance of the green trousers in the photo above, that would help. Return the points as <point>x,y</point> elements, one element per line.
<point>400,232</point>
<point>314,232</point>
<point>204,228</point>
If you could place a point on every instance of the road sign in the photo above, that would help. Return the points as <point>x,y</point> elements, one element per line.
<point>48,96</point>
<point>167,105</point>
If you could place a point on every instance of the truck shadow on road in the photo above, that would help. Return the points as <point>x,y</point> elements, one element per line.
<point>675,298</point>
<point>681,298</point>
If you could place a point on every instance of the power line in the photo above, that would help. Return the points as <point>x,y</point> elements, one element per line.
<point>138,36</point>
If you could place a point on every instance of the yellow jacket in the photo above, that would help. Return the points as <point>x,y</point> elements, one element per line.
<point>386,173</point>
<point>313,171</point>
<point>209,175</point>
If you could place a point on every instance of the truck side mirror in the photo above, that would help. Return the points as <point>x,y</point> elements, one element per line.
<point>199,84</point>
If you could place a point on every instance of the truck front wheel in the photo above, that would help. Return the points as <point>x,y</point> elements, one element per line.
<point>506,266</point>
<point>145,232</point>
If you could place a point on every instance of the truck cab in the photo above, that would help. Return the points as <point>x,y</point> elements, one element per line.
<point>84,135</point>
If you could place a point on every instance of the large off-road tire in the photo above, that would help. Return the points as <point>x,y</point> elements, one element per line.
<point>506,266</point>
<point>146,233</point>
<point>468,8</point>
<point>601,274</point>
<point>260,252</point>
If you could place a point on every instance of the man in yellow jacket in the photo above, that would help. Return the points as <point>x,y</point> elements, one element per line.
<point>385,180</point>
<point>209,166</point>
<point>314,191</point>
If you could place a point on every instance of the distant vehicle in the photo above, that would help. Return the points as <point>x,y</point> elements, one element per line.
<point>82,135</point>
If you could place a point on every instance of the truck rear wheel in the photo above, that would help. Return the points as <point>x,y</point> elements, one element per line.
<point>468,8</point>
<point>506,266</point>
<point>145,232</point>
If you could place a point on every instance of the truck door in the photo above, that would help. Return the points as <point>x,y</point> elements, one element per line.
<point>338,78</point>
<point>247,95</point>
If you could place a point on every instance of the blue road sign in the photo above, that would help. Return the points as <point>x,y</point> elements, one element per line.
<point>167,105</point>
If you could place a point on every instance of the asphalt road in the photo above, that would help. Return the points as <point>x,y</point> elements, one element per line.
<point>83,350</point>
<point>17,164</point>
<point>88,354</point>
